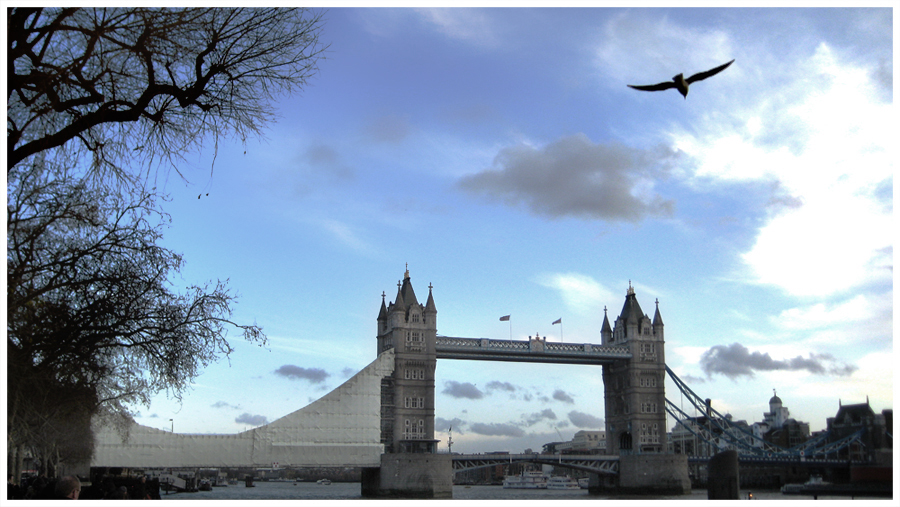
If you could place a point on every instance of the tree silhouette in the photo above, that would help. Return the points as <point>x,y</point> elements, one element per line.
<point>96,99</point>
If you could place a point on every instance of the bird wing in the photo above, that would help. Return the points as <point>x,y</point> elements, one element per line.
<point>654,88</point>
<point>711,72</point>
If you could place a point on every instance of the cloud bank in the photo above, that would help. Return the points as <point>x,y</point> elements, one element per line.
<point>736,360</point>
<point>497,429</point>
<point>574,177</point>
<point>313,375</point>
<point>462,390</point>
<point>583,420</point>
<point>252,420</point>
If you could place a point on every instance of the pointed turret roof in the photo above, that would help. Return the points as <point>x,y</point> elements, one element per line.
<point>382,315</point>
<point>631,311</point>
<point>399,303</point>
<point>406,290</point>
<point>606,327</point>
<point>657,318</point>
<point>429,305</point>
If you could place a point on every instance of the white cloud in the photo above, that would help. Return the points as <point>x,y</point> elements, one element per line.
<point>825,139</point>
<point>346,235</point>
<point>581,293</point>
<point>470,25</point>
<point>663,48</point>
<point>826,246</point>
<point>822,315</point>
<point>872,380</point>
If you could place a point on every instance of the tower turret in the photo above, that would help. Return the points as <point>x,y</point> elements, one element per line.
<point>605,331</point>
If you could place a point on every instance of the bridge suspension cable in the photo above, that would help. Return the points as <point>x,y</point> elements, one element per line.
<point>721,433</point>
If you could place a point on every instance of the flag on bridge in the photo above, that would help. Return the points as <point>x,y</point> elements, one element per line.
<point>504,318</point>
<point>557,321</point>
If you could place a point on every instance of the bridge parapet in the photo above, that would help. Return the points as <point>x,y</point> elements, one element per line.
<point>596,463</point>
<point>528,351</point>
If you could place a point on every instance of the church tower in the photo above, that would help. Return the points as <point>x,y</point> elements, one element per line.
<point>635,388</point>
<point>407,397</point>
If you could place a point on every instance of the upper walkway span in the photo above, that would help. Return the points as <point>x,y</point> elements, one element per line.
<point>535,350</point>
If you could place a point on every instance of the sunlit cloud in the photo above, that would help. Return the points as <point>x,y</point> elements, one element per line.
<point>826,144</point>
<point>581,293</point>
<point>824,315</point>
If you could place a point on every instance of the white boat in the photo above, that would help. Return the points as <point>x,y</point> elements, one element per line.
<point>584,483</point>
<point>562,482</point>
<point>529,479</point>
<point>796,489</point>
<point>325,482</point>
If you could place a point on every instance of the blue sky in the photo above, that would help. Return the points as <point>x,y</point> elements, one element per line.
<point>500,154</point>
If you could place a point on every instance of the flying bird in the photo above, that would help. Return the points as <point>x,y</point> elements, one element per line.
<point>680,83</point>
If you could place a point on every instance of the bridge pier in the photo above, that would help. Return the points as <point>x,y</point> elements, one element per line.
<point>408,475</point>
<point>653,474</point>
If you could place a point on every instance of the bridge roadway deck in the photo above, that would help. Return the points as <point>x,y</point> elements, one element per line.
<point>530,351</point>
<point>596,463</point>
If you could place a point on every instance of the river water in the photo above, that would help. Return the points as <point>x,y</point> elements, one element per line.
<point>351,491</point>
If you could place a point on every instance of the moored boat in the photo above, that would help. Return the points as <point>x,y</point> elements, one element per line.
<point>796,489</point>
<point>562,482</point>
<point>529,479</point>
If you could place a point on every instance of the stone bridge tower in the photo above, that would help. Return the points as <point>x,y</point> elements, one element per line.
<point>407,400</point>
<point>410,466</point>
<point>635,388</point>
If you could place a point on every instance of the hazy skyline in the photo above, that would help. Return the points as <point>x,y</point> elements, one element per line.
<point>501,155</point>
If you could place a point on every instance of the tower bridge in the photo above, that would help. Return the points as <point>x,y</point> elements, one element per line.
<point>382,419</point>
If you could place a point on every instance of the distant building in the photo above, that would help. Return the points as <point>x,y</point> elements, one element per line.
<point>584,442</point>
<point>876,430</point>
<point>777,426</point>
<point>703,436</point>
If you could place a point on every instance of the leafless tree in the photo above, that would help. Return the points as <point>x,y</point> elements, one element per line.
<point>97,98</point>
<point>131,84</point>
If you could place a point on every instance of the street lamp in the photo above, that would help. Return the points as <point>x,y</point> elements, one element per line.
<point>173,425</point>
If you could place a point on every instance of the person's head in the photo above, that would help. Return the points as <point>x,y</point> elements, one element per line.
<point>68,487</point>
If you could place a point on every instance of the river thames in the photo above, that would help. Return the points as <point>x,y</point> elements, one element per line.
<point>351,491</point>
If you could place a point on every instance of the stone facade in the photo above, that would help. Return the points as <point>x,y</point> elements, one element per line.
<point>410,329</point>
<point>635,388</point>
<point>410,467</point>
<point>410,476</point>
<point>653,474</point>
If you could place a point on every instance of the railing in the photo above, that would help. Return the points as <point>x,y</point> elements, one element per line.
<point>598,463</point>
<point>535,350</point>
